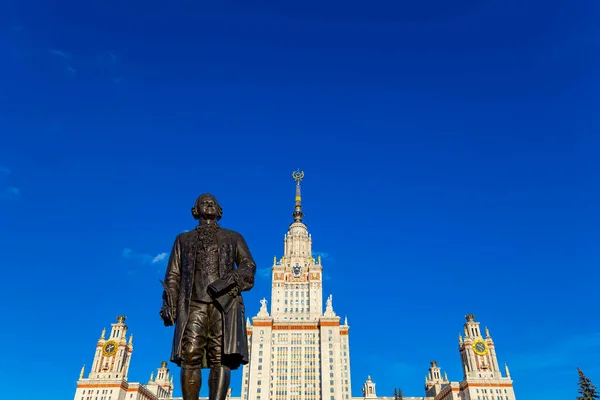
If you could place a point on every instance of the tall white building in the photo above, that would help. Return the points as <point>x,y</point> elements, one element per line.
<point>107,378</point>
<point>297,351</point>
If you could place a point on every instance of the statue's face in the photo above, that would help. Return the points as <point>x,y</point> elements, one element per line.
<point>208,207</point>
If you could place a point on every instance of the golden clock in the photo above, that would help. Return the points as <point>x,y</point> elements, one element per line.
<point>109,348</point>
<point>480,347</point>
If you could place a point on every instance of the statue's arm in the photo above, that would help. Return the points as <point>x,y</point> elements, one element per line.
<point>246,267</point>
<point>241,278</point>
<point>173,275</point>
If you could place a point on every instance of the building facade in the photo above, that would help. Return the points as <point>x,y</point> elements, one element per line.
<point>298,351</point>
<point>107,379</point>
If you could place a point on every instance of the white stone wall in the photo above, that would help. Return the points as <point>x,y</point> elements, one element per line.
<point>304,355</point>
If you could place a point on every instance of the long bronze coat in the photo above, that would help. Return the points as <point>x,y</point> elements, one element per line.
<point>179,278</point>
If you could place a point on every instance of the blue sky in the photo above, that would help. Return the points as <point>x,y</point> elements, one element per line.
<point>450,153</point>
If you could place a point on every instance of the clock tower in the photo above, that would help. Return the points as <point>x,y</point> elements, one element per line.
<point>477,353</point>
<point>107,379</point>
<point>113,354</point>
<point>481,371</point>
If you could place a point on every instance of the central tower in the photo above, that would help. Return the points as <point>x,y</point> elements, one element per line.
<point>297,278</point>
<point>297,351</point>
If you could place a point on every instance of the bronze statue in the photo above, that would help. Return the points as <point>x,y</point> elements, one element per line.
<point>202,297</point>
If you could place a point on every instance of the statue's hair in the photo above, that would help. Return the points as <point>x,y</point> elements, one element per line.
<point>196,208</point>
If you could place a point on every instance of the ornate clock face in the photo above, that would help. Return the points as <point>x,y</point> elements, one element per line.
<point>296,270</point>
<point>109,348</point>
<point>479,347</point>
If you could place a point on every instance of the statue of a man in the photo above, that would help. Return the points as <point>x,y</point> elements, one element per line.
<point>202,297</point>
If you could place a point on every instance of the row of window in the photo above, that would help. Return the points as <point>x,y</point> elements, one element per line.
<point>491,390</point>
<point>104,391</point>
<point>298,301</point>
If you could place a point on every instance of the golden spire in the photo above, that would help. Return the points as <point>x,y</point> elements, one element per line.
<point>82,372</point>
<point>298,176</point>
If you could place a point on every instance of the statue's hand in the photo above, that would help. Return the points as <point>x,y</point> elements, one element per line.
<point>168,316</point>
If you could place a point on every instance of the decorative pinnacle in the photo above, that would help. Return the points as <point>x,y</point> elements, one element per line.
<point>298,176</point>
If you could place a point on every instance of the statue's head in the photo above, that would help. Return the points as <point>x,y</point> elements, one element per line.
<point>207,207</point>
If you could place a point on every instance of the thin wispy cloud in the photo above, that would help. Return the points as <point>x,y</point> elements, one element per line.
<point>109,62</point>
<point>59,53</point>
<point>71,70</point>
<point>144,258</point>
<point>107,59</point>
<point>160,258</point>
<point>6,189</point>
<point>328,259</point>
<point>64,60</point>
<point>264,272</point>
<point>323,255</point>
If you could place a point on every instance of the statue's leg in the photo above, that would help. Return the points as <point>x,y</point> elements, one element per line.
<point>218,382</point>
<point>191,381</point>
<point>220,375</point>
<point>193,351</point>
